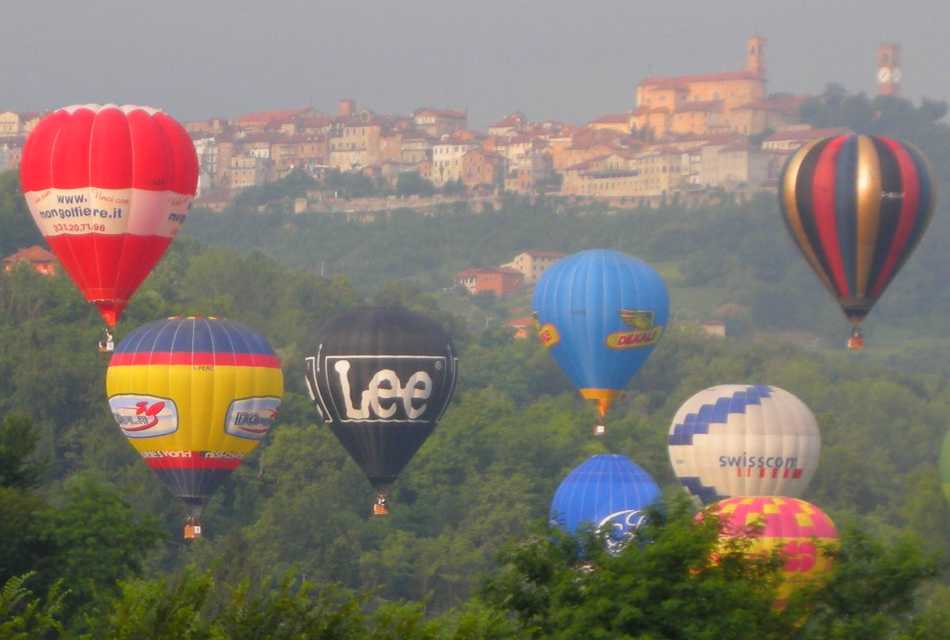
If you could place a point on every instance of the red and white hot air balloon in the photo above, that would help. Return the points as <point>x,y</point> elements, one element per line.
<point>109,186</point>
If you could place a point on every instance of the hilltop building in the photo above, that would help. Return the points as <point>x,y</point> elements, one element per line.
<point>889,69</point>
<point>732,101</point>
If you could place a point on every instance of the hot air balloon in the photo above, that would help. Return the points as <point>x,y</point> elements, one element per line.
<point>108,187</point>
<point>794,527</point>
<point>600,314</point>
<point>945,465</point>
<point>382,378</point>
<point>194,396</point>
<point>857,206</point>
<point>744,440</point>
<point>607,492</point>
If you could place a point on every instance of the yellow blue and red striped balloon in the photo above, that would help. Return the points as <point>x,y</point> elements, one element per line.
<point>857,206</point>
<point>194,396</point>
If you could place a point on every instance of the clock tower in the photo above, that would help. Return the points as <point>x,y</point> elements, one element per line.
<point>888,69</point>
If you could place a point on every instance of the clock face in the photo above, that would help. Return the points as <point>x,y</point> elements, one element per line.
<point>883,74</point>
<point>896,75</point>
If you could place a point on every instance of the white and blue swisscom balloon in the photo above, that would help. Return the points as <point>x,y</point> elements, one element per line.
<point>744,440</point>
<point>608,493</point>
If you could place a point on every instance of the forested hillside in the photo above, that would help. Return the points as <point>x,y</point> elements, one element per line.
<point>290,547</point>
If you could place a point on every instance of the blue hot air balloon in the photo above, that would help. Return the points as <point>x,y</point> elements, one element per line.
<point>600,313</point>
<point>607,492</point>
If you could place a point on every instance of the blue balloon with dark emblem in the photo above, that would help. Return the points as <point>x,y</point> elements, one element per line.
<point>600,313</point>
<point>609,493</point>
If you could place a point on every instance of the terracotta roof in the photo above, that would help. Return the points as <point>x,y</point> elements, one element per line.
<point>523,322</point>
<point>580,166</point>
<point>612,118</point>
<point>512,120</point>
<point>34,255</point>
<point>440,113</point>
<point>679,81</point>
<point>476,271</point>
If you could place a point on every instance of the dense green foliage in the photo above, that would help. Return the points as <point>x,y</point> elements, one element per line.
<point>91,540</point>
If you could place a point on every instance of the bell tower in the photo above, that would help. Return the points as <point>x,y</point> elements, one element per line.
<point>889,69</point>
<point>755,55</point>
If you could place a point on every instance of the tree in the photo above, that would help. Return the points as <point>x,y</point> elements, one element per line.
<point>410,183</point>
<point>23,616</point>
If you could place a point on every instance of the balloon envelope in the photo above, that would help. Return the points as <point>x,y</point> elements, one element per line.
<point>194,396</point>
<point>744,440</point>
<point>600,315</point>
<point>857,206</point>
<point>606,492</point>
<point>794,527</point>
<point>382,378</point>
<point>108,187</point>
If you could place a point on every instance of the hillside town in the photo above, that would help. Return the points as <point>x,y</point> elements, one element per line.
<point>688,134</point>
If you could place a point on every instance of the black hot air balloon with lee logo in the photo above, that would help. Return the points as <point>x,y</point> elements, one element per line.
<point>382,378</point>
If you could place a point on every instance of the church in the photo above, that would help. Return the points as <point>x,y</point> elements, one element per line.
<point>700,105</point>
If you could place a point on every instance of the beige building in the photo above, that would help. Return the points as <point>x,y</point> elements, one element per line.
<point>619,122</point>
<point>10,124</point>
<point>415,149</point>
<point>247,171</point>
<point>626,174</point>
<point>509,126</point>
<point>13,124</point>
<point>357,146</point>
<point>734,164</point>
<point>447,161</point>
<point>532,264</point>
<point>439,122</point>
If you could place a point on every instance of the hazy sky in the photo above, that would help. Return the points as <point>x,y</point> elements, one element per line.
<point>548,58</point>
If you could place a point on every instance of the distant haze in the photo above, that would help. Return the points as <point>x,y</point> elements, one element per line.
<point>550,59</point>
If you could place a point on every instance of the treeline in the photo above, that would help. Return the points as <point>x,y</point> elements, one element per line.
<point>484,479</point>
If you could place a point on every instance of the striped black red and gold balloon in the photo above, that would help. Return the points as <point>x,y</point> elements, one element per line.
<point>857,206</point>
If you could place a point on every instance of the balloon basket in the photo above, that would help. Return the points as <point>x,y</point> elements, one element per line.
<point>599,430</point>
<point>380,509</point>
<point>107,344</point>
<point>856,341</point>
<point>192,530</point>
